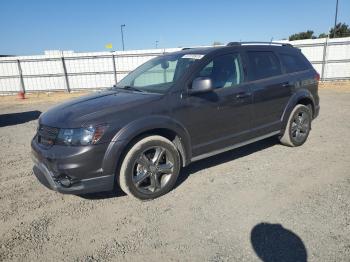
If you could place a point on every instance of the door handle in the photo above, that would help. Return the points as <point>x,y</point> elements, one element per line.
<point>243,95</point>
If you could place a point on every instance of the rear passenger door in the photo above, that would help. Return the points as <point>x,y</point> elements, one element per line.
<point>271,90</point>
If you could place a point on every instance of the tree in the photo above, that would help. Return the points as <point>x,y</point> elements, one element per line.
<point>309,34</point>
<point>322,35</point>
<point>340,30</point>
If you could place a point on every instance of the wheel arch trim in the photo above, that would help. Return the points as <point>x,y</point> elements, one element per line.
<point>293,101</point>
<point>128,133</point>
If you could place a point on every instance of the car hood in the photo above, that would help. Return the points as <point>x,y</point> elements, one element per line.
<point>94,108</point>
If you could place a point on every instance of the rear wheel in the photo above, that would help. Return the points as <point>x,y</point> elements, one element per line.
<point>298,126</point>
<point>150,168</point>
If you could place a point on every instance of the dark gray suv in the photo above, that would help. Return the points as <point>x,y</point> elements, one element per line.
<point>171,111</point>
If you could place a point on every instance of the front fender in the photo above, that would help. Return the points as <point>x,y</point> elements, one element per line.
<point>123,137</point>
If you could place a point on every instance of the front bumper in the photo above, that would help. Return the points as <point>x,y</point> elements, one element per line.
<point>81,165</point>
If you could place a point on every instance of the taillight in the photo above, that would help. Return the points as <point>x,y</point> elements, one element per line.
<point>317,77</point>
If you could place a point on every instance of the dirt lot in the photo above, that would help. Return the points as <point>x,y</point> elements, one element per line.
<point>262,200</point>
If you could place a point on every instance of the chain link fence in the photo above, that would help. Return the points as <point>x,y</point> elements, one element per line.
<point>79,71</point>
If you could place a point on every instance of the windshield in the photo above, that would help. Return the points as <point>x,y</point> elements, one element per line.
<point>159,74</point>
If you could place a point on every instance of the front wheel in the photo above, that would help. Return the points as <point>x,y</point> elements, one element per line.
<point>150,168</point>
<point>298,126</point>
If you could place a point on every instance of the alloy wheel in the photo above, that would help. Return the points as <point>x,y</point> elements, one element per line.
<point>153,169</point>
<point>300,126</point>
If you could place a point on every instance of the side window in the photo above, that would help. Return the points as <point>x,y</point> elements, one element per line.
<point>207,70</point>
<point>263,64</point>
<point>182,66</point>
<point>225,71</point>
<point>159,74</point>
<point>293,63</point>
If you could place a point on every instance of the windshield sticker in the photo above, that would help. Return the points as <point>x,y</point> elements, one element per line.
<point>193,56</point>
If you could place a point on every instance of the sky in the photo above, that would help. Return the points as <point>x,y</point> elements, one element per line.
<point>30,27</point>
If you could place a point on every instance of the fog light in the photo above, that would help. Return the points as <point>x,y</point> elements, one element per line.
<point>65,181</point>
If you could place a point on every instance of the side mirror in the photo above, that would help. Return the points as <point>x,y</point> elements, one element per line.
<point>165,64</point>
<point>201,85</point>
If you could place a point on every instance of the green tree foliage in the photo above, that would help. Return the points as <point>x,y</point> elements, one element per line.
<point>340,30</point>
<point>309,34</point>
<point>322,35</point>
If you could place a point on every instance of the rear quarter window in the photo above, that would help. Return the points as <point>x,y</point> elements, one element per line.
<point>293,63</point>
<point>263,64</point>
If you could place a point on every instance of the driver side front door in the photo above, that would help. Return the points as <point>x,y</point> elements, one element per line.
<point>222,117</point>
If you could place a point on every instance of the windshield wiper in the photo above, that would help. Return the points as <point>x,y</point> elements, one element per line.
<point>132,88</point>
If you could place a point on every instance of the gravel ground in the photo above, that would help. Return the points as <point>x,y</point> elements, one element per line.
<point>264,200</point>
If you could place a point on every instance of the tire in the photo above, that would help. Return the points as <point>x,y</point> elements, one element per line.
<point>150,168</point>
<point>298,126</point>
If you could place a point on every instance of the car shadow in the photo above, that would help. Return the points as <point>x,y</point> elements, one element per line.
<point>18,118</point>
<point>273,242</point>
<point>225,157</point>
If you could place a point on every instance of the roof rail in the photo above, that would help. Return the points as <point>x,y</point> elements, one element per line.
<point>186,48</point>
<point>258,43</point>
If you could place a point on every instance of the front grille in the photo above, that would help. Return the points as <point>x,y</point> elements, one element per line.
<point>47,135</point>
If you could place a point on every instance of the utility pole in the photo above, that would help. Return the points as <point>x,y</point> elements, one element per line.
<point>335,19</point>
<point>122,32</point>
<point>157,44</point>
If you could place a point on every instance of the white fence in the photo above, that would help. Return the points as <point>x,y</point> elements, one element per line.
<point>330,57</point>
<point>75,71</point>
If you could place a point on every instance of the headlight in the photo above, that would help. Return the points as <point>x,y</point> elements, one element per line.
<point>81,136</point>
